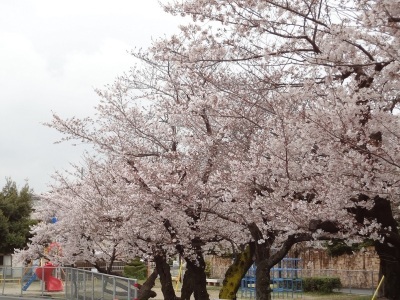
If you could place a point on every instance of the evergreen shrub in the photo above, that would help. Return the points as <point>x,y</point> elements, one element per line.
<point>324,285</point>
<point>136,269</point>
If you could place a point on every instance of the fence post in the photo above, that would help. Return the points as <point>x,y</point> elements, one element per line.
<point>129,289</point>
<point>3,273</point>
<point>66,282</point>
<point>84,284</point>
<point>77,285</point>
<point>21,282</point>
<point>41,281</point>
<point>72,282</point>
<point>372,279</point>
<point>102,286</point>
<point>114,287</point>
<point>92,285</point>
<point>349,272</point>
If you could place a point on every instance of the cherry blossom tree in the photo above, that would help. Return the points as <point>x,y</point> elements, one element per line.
<point>276,124</point>
<point>329,73</point>
<point>89,216</point>
<point>220,168</point>
<point>170,181</point>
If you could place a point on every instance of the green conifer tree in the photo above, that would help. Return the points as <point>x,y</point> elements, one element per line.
<point>15,216</point>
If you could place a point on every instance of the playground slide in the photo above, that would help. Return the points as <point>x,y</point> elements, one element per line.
<point>52,284</point>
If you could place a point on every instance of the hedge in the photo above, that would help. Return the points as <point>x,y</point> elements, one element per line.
<point>324,285</point>
<point>136,269</point>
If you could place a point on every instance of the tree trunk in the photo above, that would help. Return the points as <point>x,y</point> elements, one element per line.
<point>236,272</point>
<point>389,250</point>
<point>195,280</point>
<point>262,256</point>
<point>145,291</point>
<point>187,285</point>
<point>164,272</point>
<point>263,288</point>
<point>389,266</point>
<point>265,261</point>
<point>198,278</point>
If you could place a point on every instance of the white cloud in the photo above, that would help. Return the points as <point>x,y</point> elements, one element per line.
<point>103,8</point>
<point>52,56</point>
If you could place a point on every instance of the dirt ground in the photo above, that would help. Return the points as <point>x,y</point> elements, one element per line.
<point>34,291</point>
<point>213,291</point>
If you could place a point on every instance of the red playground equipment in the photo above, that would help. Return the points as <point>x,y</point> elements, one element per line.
<point>52,284</point>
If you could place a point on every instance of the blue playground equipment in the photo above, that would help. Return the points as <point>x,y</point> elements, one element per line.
<point>29,282</point>
<point>29,275</point>
<point>286,281</point>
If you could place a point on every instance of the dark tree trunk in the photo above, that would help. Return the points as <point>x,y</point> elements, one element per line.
<point>236,272</point>
<point>145,291</point>
<point>389,249</point>
<point>164,272</point>
<point>262,256</point>
<point>265,260</point>
<point>198,277</point>
<point>187,285</point>
<point>263,288</point>
<point>390,267</point>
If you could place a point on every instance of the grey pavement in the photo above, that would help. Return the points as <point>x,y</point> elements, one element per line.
<point>213,293</point>
<point>22,297</point>
<point>357,291</point>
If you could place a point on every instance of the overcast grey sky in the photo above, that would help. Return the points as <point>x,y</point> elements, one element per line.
<point>53,53</point>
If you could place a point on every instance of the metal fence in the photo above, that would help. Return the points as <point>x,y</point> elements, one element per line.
<point>65,283</point>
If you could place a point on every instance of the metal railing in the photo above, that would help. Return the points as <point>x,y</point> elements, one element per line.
<point>65,283</point>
